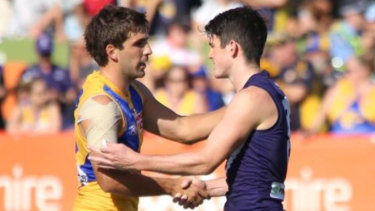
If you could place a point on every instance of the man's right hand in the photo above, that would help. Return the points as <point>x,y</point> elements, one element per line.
<point>190,192</point>
<point>114,156</point>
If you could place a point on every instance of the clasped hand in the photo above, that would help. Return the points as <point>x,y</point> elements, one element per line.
<point>188,192</point>
<point>192,192</point>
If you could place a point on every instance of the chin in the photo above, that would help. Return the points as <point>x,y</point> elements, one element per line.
<point>218,75</point>
<point>141,74</point>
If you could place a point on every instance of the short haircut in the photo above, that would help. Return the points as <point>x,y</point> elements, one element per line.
<point>243,25</point>
<point>112,25</point>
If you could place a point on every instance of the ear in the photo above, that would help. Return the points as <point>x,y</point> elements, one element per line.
<point>233,48</point>
<point>112,52</point>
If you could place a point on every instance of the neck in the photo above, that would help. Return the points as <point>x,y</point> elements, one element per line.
<point>45,64</point>
<point>115,75</point>
<point>241,73</point>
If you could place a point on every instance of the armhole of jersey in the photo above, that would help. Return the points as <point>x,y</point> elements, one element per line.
<point>279,112</point>
<point>123,129</point>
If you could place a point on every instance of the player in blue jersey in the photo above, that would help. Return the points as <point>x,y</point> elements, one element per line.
<point>253,135</point>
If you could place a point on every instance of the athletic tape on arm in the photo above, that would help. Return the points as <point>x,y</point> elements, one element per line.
<point>104,121</point>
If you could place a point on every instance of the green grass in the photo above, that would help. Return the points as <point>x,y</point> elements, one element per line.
<point>23,50</point>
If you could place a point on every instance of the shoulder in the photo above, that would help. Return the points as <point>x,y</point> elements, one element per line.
<point>60,73</point>
<point>250,97</point>
<point>88,102</point>
<point>31,72</point>
<point>102,99</point>
<point>254,102</point>
<point>254,94</point>
<point>33,68</point>
<point>100,107</point>
<point>250,109</point>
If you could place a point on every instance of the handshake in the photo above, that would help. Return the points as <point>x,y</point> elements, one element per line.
<point>189,192</point>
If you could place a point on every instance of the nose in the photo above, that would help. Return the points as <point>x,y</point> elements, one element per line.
<point>147,51</point>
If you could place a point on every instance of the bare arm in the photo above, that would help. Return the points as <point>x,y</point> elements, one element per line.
<point>124,183</point>
<point>132,184</point>
<point>250,109</point>
<point>162,121</point>
<point>217,187</point>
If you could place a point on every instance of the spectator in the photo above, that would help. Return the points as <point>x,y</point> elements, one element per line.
<point>175,46</point>
<point>81,63</point>
<point>345,35</point>
<point>161,13</point>
<point>202,85</point>
<point>315,16</point>
<point>295,76</point>
<point>94,6</point>
<point>36,114</point>
<point>349,105</point>
<point>177,93</point>
<point>368,35</point>
<point>76,19</point>
<point>35,18</point>
<point>201,15</point>
<point>57,79</point>
<point>268,9</point>
<point>209,9</point>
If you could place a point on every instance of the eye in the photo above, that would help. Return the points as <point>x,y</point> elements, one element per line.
<point>141,43</point>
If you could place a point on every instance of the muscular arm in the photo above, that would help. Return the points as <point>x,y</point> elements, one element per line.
<point>217,187</point>
<point>227,136</point>
<point>162,121</point>
<point>114,181</point>
<point>250,109</point>
<point>134,183</point>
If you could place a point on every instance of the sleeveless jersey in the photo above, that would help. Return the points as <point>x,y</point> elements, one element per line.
<point>257,169</point>
<point>90,195</point>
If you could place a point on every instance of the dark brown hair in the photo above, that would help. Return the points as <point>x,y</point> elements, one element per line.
<point>112,25</point>
<point>243,25</point>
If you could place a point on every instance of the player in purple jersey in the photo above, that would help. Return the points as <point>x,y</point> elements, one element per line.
<point>253,135</point>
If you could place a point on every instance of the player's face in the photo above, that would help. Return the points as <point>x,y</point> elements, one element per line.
<point>219,56</point>
<point>134,55</point>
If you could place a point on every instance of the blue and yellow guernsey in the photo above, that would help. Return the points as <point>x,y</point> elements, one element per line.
<point>90,195</point>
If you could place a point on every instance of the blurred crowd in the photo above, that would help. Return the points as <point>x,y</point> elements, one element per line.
<point>320,52</point>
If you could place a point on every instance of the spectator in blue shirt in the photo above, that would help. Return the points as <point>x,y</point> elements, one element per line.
<point>57,78</point>
<point>201,84</point>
